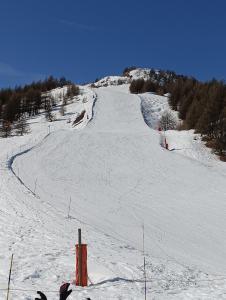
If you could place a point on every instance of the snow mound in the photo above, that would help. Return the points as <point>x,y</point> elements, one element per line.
<point>153,107</point>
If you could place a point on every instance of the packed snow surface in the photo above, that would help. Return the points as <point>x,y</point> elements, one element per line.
<point>119,179</point>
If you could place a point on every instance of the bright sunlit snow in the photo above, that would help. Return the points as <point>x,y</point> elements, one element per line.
<point>119,178</point>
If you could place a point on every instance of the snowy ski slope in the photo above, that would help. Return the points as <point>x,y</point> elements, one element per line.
<point>118,178</point>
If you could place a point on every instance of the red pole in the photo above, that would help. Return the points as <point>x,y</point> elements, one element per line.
<point>79,256</point>
<point>83,281</point>
<point>81,262</point>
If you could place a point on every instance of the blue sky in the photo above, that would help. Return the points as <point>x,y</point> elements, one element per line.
<point>83,40</point>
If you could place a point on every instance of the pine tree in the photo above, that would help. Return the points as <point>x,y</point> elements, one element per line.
<point>6,128</point>
<point>22,127</point>
<point>221,136</point>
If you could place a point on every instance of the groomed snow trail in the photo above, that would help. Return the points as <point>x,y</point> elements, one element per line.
<point>118,178</point>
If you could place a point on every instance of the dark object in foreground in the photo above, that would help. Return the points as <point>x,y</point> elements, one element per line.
<point>64,292</point>
<point>42,296</point>
<point>79,118</point>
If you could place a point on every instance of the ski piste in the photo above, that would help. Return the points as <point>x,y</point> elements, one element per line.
<point>119,178</point>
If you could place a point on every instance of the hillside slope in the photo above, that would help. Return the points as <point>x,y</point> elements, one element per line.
<point>118,178</point>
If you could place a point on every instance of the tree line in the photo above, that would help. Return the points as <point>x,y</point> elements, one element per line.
<point>22,102</point>
<point>201,105</point>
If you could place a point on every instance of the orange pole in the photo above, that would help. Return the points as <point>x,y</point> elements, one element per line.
<point>83,279</point>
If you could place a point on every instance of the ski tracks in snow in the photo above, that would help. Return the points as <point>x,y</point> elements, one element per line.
<point>42,237</point>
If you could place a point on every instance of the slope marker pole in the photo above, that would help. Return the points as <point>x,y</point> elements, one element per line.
<point>145,278</point>
<point>10,271</point>
<point>35,185</point>
<point>69,209</point>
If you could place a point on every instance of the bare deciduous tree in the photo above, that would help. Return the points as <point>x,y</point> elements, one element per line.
<point>168,121</point>
<point>49,114</point>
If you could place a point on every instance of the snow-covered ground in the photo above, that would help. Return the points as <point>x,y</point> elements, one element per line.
<point>138,73</point>
<point>118,178</point>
